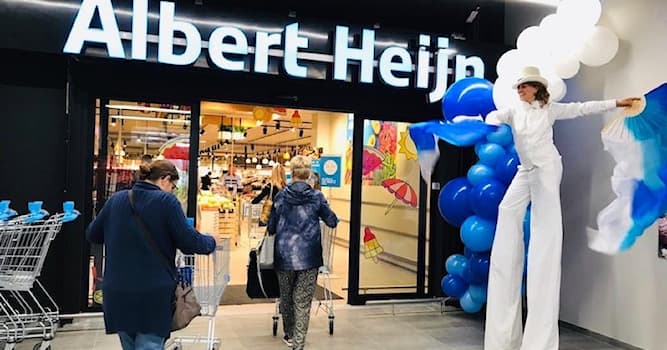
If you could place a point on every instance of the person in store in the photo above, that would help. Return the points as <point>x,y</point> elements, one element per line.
<point>538,182</point>
<point>138,285</point>
<point>206,182</point>
<point>277,182</point>
<point>295,220</point>
<point>232,181</point>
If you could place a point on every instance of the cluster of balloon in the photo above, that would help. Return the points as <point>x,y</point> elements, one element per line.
<point>471,202</point>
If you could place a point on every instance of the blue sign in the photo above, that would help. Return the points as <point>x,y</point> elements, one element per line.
<point>329,169</point>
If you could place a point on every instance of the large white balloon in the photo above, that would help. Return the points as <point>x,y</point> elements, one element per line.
<point>503,94</point>
<point>557,87</point>
<point>509,63</point>
<point>530,39</point>
<point>599,48</point>
<point>566,67</point>
<point>580,13</point>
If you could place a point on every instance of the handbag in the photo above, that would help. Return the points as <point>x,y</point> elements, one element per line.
<point>262,283</point>
<point>266,208</point>
<point>186,307</point>
<point>265,252</point>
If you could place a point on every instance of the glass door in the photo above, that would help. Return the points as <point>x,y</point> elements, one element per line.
<point>392,214</point>
<point>128,134</point>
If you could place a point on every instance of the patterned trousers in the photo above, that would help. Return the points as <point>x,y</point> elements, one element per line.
<point>296,295</point>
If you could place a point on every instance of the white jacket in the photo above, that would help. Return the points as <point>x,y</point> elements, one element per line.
<point>532,126</point>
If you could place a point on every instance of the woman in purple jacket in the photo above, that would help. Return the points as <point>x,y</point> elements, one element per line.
<point>295,219</point>
<point>138,288</point>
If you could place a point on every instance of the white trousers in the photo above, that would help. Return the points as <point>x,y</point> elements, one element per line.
<point>541,186</point>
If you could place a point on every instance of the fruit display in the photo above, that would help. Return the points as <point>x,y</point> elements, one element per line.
<point>209,200</point>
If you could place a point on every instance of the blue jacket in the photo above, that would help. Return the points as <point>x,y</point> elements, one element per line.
<point>295,219</point>
<point>138,289</point>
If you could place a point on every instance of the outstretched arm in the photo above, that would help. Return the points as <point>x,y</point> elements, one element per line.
<point>579,109</point>
<point>498,117</point>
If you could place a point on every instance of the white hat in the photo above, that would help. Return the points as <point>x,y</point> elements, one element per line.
<point>530,74</point>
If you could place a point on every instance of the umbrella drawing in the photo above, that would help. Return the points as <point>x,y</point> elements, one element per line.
<point>402,191</point>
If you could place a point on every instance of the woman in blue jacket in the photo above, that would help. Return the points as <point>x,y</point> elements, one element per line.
<point>137,287</point>
<point>295,220</point>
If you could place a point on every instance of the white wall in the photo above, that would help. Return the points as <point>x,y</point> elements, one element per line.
<point>625,296</point>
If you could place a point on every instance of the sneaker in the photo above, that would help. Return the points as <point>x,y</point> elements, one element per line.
<point>287,341</point>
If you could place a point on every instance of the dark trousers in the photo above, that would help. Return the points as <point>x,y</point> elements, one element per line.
<point>296,295</point>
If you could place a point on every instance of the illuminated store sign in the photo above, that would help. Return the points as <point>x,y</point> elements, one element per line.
<point>228,48</point>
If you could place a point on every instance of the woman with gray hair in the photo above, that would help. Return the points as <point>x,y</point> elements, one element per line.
<point>295,220</point>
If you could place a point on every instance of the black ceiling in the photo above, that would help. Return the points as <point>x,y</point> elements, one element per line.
<point>432,16</point>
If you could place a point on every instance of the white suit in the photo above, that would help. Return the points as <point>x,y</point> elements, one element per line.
<point>537,181</point>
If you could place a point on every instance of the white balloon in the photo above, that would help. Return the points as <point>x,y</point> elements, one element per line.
<point>567,67</point>
<point>599,48</point>
<point>557,88</point>
<point>509,63</point>
<point>503,94</point>
<point>530,39</point>
<point>580,12</point>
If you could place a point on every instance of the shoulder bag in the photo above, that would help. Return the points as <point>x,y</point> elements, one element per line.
<point>186,307</point>
<point>266,207</point>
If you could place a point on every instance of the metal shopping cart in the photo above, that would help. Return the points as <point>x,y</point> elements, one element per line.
<point>209,275</point>
<point>255,230</point>
<point>326,303</point>
<point>27,311</point>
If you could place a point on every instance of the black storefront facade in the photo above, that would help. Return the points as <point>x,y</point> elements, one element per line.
<point>49,95</point>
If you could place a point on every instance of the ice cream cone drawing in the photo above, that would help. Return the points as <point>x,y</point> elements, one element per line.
<point>372,248</point>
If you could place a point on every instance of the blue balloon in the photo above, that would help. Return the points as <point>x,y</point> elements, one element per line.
<point>478,293</point>
<point>456,264</point>
<point>477,233</point>
<point>454,286</point>
<point>512,149</point>
<point>480,264</point>
<point>485,198</point>
<point>480,172</point>
<point>489,153</point>
<point>467,274</point>
<point>467,252</point>
<point>469,96</point>
<point>469,305</point>
<point>506,167</point>
<point>453,201</point>
<point>501,136</point>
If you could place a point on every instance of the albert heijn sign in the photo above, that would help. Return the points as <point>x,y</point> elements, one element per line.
<point>228,47</point>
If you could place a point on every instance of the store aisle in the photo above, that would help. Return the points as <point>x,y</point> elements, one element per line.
<point>419,326</point>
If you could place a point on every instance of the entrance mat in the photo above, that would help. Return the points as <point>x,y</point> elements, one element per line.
<point>234,294</point>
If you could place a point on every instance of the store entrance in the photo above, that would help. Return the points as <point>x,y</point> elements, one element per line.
<point>239,146</point>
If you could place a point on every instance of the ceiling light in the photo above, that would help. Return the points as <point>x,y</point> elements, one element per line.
<point>258,166</point>
<point>300,132</point>
<point>130,117</point>
<point>265,130</point>
<point>147,109</point>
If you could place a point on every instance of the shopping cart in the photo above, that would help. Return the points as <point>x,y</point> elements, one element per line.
<point>26,309</point>
<point>326,304</point>
<point>208,275</point>
<point>255,230</point>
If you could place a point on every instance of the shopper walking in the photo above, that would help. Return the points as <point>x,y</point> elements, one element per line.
<point>295,220</point>
<point>138,289</point>
<point>538,182</point>
<point>277,183</point>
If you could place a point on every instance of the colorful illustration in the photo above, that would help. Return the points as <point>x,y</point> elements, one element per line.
<point>379,162</point>
<point>402,191</point>
<point>407,146</point>
<point>372,160</point>
<point>372,248</point>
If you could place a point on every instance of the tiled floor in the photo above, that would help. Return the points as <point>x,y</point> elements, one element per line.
<point>415,326</point>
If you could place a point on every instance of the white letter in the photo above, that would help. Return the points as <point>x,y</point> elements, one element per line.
<point>139,29</point>
<point>292,44</point>
<point>387,66</point>
<point>216,47</point>
<point>423,56</point>
<point>343,53</point>
<point>108,34</point>
<point>441,70</point>
<point>166,38</point>
<point>463,62</point>
<point>263,41</point>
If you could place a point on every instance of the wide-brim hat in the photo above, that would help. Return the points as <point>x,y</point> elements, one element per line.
<point>530,74</point>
